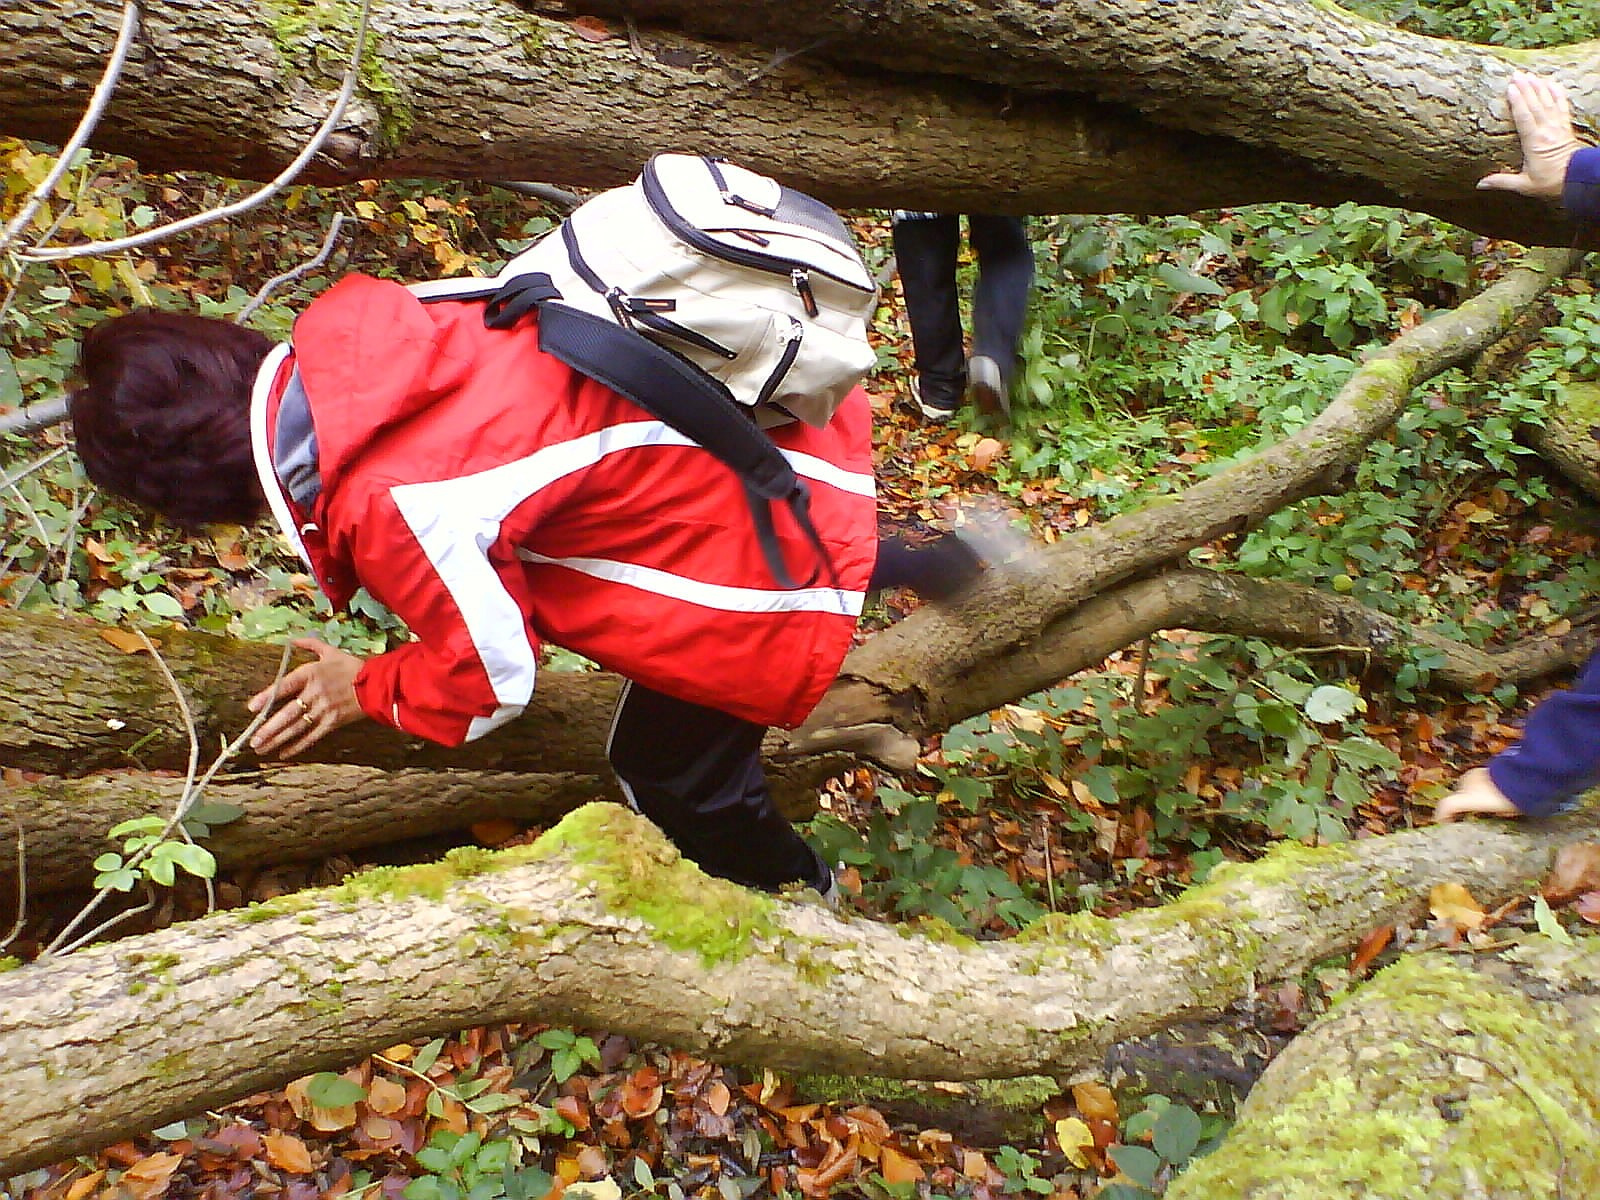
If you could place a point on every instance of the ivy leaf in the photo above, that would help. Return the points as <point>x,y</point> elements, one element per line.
<point>1548,924</point>
<point>1177,1134</point>
<point>327,1090</point>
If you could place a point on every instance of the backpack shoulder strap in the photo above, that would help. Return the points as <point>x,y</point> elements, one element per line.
<point>676,392</point>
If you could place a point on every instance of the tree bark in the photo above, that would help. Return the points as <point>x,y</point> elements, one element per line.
<point>1446,1076</point>
<point>304,811</point>
<point>601,925</point>
<point>1024,105</point>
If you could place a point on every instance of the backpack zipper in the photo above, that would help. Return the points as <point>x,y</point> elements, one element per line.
<point>791,351</point>
<point>655,195</point>
<point>635,309</point>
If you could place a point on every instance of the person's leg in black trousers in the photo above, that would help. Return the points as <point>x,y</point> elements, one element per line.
<point>925,251</point>
<point>999,305</point>
<point>696,773</point>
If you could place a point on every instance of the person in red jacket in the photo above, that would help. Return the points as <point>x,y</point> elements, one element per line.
<point>493,499</point>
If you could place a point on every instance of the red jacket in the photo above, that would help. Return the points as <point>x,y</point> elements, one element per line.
<point>492,497</point>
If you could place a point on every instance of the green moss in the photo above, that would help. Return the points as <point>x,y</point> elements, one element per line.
<point>635,871</point>
<point>1479,1093</point>
<point>8,963</point>
<point>298,29</point>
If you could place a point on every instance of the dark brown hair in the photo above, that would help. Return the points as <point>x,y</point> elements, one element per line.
<point>163,418</point>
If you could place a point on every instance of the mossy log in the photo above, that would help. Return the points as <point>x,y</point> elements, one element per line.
<point>600,924</point>
<point>1569,436</point>
<point>1089,106</point>
<point>304,811</point>
<point>1448,1077</point>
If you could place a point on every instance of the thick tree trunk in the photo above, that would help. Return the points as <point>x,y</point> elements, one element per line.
<point>1450,1077</point>
<point>600,924</point>
<point>299,812</point>
<point>1026,105</point>
<point>1569,438</point>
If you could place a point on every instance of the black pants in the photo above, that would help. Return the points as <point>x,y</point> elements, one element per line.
<point>696,772</point>
<point>926,249</point>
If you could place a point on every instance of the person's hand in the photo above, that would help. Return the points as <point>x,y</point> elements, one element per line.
<point>313,701</point>
<point>1543,116</point>
<point>1475,795</point>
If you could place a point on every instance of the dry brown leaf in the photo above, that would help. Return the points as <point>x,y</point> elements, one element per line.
<point>149,1178</point>
<point>718,1097</point>
<point>84,1186</point>
<point>591,29</point>
<point>1575,871</point>
<point>287,1152</point>
<point>1094,1100</point>
<point>127,641</point>
<point>1454,905</point>
<point>897,1168</point>
<point>385,1096</point>
<point>985,452</point>
<point>1371,946</point>
<point>1587,906</point>
<point>494,831</point>
<point>324,1120</point>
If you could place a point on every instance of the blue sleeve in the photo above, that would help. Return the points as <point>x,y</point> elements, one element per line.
<point>1559,754</point>
<point>1580,195</point>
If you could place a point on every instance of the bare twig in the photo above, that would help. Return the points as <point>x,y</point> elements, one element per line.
<point>311,264</point>
<point>31,417</point>
<point>91,118</point>
<point>22,885</point>
<point>186,802</point>
<point>228,211</point>
<point>547,192</point>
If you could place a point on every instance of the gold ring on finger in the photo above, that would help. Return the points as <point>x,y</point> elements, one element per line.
<point>306,716</point>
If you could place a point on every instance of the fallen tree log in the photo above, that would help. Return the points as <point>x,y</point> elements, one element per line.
<point>303,811</point>
<point>1444,1077</point>
<point>601,924</point>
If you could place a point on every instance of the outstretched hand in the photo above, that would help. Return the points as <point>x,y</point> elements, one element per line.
<point>1543,117</point>
<point>313,700</point>
<point>1475,795</point>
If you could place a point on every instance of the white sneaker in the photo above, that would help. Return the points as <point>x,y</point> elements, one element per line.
<point>930,412</point>
<point>986,386</point>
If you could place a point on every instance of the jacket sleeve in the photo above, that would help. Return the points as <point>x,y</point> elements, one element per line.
<point>1580,195</point>
<point>429,559</point>
<point>1559,754</point>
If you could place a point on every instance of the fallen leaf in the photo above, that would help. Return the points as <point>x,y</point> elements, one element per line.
<point>985,452</point>
<point>1074,1137</point>
<point>287,1152</point>
<point>1454,905</point>
<point>896,1168</point>
<point>84,1186</point>
<point>1587,906</point>
<point>494,831</point>
<point>1095,1101</point>
<point>321,1118</point>
<point>1575,871</point>
<point>593,1189</point>
<point>591,29</point>
<point>127,641</point>
<point>718,1097</point>
<point>385,1096</point>
<point>1371,946</point>
<point>150,1176</point>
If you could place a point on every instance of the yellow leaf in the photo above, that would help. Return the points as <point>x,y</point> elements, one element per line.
<point>131,281</point>
<point>366,210</point>
<point>1073,1136</point>
<point>1452,903</point>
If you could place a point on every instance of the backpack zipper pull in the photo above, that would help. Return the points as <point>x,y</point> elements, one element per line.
<point>802,285</point>
<point>618,300</point>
